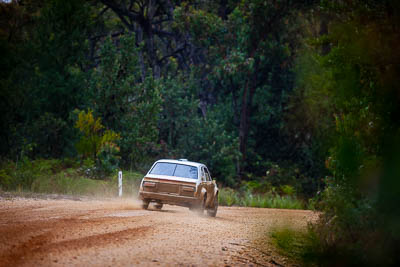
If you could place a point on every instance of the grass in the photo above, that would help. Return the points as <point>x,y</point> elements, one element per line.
<point>289,242</point>
<point>52,177</point>
<point>300,246</point>
<point>69,182</point>
<point>230,197</point>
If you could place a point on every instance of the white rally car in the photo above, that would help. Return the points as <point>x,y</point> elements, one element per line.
<point>182,183</point>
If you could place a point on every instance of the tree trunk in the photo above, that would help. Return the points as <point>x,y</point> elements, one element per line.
<point>139,39</point>
<point>153,56</point>
<point>247,100</point>
<point>324,31</point>
<point>243,127</point>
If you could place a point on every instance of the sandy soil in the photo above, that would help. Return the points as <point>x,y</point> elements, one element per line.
<point>64,232</point>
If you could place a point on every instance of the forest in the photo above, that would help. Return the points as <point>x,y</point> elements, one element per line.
<point>288,97</point>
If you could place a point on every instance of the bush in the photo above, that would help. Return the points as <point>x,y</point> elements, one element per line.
<point>258,187</point>
<point>300,246</point>
<point>288,241</point>
<point>20,175</point>
<point>5,180</point>
<point>288,190</point>
<point>271,201</point>
<point>230,197</point>
<point>98,145</point>
<point>107,160</point>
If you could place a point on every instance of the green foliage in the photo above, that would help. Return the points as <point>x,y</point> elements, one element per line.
<point>230,197</point>
<point>217,62</point>
<point>48,131</point>
<point>69,182</point>
<point>91,129</point>
<point>88,165</point>
<point>355,84</point>
<point>108,159</point>
<point>278,175</point>
<point>206,141</point>
<point>97,144</point>
<point>187,134</point>
<point>5,180</point>
<point>22,174</point>
<point>203,24</point>
<point>127,104</point>
<point>176,118</point>
<point>248,76</point>
<point>288,190</point>
<point>45,46</point>
<point>299,245</point>
<point>57,177</point>
<point>256,186</point>
<point>288,241</point>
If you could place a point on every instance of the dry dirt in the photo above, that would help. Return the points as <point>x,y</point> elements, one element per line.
<point>64,232</point>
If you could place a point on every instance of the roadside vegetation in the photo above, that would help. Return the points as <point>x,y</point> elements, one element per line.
<point>301,246</point>
<point>248,198</point>
<point>68,177</point>
<point>63,177</point>
<point>350,74</point>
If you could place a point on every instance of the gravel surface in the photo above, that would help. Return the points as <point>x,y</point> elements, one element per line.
<point>84,232</point>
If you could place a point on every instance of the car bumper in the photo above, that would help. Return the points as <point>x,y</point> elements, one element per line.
<point>168,198</point>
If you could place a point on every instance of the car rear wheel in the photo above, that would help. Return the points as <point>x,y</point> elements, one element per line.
<point>145,204</point>
<point>213,212</point>
<point>158,206</point>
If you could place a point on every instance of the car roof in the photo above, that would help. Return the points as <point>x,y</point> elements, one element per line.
<point>184,162</point>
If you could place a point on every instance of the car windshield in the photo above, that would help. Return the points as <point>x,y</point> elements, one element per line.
<point>173,169</point>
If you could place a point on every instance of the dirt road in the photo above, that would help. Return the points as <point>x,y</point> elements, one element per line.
<point>118,233</point>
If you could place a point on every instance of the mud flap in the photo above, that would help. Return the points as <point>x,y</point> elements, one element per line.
<point>210,189</point>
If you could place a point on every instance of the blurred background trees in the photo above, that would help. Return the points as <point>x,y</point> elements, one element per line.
<point>355,84</point>
<point>209,81</point>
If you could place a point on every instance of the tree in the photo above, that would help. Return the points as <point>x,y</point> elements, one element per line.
<point>151,22</point>
<point>354,86</point>
<point>249,55</point>
<point>44,79</point>
<point>128,105</point>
